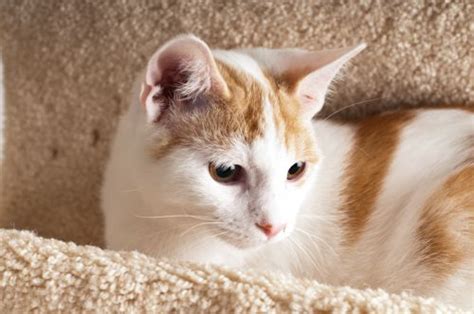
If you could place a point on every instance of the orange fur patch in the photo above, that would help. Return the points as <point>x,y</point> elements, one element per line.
<point>297,135</point>
<point>376,140</point>
<point>446,230</point>
<point>239,114</point>
<point>219,120</point>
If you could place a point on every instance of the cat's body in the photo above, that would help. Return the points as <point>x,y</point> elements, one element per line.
<point>385,202</point>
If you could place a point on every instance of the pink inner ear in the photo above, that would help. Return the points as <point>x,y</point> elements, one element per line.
<point>167,64</point>
<point>171,67</point>
<point>184,68</point>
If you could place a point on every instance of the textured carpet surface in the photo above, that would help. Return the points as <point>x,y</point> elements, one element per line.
<point>54,276</point>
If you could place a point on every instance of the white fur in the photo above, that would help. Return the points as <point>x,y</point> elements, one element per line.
<point>242,62</point>
<point>173,208</point>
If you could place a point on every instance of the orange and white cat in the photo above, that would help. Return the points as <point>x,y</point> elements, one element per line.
<point>219,160</point>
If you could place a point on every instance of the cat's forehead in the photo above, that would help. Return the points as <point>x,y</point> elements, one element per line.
<point>255,108</point>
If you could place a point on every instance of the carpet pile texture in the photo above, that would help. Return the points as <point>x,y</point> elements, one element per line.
<point>54,276</point>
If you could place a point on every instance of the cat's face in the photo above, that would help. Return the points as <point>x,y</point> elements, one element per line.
<point>229,140</point>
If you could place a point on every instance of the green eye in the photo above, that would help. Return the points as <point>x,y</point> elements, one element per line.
<point>225,174</point>
<point>296,170</point>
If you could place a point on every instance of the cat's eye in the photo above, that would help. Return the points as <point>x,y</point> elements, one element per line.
<point>296,170</point>
<point>224,173</point>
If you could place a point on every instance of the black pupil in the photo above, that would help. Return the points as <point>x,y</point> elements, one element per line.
<point>295,168</point>
<point>225,172</point>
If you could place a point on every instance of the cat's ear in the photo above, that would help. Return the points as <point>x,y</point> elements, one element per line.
<point>308,74</point>
<point>311,73</point>
<point>180,71</point>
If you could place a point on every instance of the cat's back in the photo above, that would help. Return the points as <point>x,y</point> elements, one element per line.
<point>386,160</point>
<point>387,157</point>
<point>430,142</point>
<point>405,197</point>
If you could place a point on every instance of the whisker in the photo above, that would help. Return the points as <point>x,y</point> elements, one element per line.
<point>203,241</point>
<point>317,248</point>
<point>315,217</point>
<point>200,225</point>
<point>304,232</point>
<point>311,258</point>
<point>354,104</point>
<point>295,255</point>
<point>318,239</point>
<point>315,240</point>
<point>350,106</point>
<point>215,235</point>
<point>204,218</point>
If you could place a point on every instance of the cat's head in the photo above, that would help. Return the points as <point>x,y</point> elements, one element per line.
<point>229,137</point>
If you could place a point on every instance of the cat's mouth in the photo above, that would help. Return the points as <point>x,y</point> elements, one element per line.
<point>246,240</point>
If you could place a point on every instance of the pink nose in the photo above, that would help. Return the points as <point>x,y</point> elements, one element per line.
<point>270,230</point>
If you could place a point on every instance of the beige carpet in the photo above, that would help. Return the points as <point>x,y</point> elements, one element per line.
<point>69,67</point>
<point>54,276</point>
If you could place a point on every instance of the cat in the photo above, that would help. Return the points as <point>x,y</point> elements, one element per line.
<point>219,159</point>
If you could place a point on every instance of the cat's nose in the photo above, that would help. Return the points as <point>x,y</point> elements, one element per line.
<point>269,229</point>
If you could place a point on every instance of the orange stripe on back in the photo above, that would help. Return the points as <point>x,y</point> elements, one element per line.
<point>376,140</point>
<point>446,229</point>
